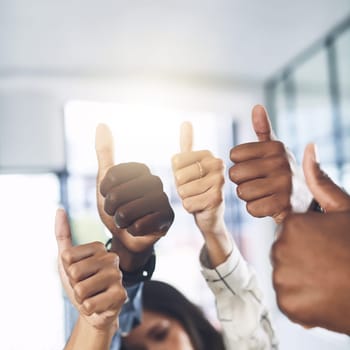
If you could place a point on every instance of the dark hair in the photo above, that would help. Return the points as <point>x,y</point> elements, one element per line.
<point>163,298</point>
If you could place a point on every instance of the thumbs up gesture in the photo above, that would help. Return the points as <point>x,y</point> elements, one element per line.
<point>199,179</point>
<point>131,203</point>
<point>311,256</point>
<point>262,171</point>
<point>91,278</point>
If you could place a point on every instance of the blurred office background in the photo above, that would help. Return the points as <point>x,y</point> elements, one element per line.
<point>143,67</point>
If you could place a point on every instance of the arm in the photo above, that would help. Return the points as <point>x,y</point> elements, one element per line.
<point>239,303</point>
<point>244,320</point>
<point>92,281</point>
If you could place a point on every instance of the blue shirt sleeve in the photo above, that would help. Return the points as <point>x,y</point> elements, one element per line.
<point>130,315</point>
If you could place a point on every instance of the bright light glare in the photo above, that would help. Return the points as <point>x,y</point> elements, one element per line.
<point>141,134</point>
<point>31,309</point>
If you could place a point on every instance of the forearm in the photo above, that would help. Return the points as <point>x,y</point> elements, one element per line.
<point>86,337</point>
<point>218,244</point>
<point>244,319</point>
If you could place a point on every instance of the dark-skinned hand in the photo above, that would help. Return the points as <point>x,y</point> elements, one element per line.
<point>262,171</point>
<point>311,256</point>
<point>131,202</point>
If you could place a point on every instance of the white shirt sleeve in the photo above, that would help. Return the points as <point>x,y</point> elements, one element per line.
<point>301,196</point>
<point>245,321</point>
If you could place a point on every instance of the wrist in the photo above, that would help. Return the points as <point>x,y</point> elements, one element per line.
<point>94,334</point>
<point>130,261</point>
<point>136,268</point>
<point>218,247</point>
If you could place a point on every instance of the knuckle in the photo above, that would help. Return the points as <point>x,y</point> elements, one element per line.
<point>278,146</point>
<point>178,177</point>
<point>112,173</point>
<point>240,190</point>
<point>175,161</point>
<point>67,256</point>
<point>169,215</point>
<point>253,210</point>
<point>98,246</point>
<point>89,307</point>
<point>136,228</point>
<point>277,277</point>
<point>187,204</point>
<point>233,154</point>
<point>121,294</point>
<point>79,292</point>
<point>218,199</point>
<point>289,306</point>
<point>112,259</point>
<point>182,191</point>
<point>219,179</point>
<point>218,164</point>
<point>207,153</point>
<point>234,174</point>
<point>157,181</point>
<point>281,162</point>
<point>74,272</point>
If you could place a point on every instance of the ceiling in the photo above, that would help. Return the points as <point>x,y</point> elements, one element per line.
<point>238,39</point>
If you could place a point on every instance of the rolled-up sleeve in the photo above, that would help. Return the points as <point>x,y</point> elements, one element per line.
<point>244,319</point>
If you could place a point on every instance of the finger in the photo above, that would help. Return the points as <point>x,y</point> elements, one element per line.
<point>204,201</point>
<point>156,224</point>
<point>104,147</point>
<point>259,168</point>
<point>121,173</point>
<point>273,206</point>
<point>189,174</point>
<point>256,150</point>
<point>85,268</point>
<point>95,284</point>
<point>131,190</point>
<point>186,137</point>
<point>182,160</point>
<point>111,299</point>
<point>62,230</point>
<point>83,251</point>
<point>262,124</point>
<point>263,187</point>
<point>127,214</point>
<point>329,196</point>
<point>199,186</point>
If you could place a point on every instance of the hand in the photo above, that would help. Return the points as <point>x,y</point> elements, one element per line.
<point>262,171</point>
<point>311,257</point>
<point>311,261</point>
<point>131,203</point>
<point>91,278</point>
<point>199,179</point>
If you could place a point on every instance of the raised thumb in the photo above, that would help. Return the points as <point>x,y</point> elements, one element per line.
<point>62,230</point>
<point>262,124</point>
<point>104,146</point>
<point>186,137</point>
<point>328,195</point>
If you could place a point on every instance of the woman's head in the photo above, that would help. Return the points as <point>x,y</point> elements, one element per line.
<point>171,321</point>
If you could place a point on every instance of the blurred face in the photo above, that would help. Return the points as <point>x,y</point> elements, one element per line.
<point>157,332</point>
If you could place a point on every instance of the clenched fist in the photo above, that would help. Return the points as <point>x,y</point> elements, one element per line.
<point>262,171</point>
<point>132,204</point>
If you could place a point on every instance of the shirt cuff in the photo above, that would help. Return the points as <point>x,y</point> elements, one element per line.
<point>233,274</point>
